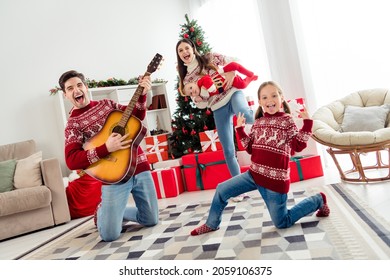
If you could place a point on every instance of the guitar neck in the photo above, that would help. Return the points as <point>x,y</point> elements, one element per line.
<point>129,109</point>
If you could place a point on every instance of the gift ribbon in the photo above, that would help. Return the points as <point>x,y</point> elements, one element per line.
<point>200,167</point>
<point>213,136</point>
<point>155,147</point>
<point>161,183</point>
<point>299,167</point>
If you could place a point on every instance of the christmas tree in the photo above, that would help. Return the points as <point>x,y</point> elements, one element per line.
<point>188,120</point>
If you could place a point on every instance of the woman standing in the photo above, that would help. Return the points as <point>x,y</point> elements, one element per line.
<point>192,66</point>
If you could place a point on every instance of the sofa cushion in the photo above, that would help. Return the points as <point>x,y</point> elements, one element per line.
<point>28,172</point>
<point>7,171</point>
<point>369,118</point>
<point>21,200</point>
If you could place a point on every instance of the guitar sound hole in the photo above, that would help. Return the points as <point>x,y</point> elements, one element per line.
<point>119,129</point>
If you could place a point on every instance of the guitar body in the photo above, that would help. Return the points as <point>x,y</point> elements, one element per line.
<point>119,166</point>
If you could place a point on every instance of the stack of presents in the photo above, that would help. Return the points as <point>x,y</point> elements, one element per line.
<point>205,170</point>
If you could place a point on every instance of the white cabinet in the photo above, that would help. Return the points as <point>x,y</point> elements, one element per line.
<point>158,115</point>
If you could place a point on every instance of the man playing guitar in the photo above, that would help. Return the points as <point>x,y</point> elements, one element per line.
<point>87,119</point>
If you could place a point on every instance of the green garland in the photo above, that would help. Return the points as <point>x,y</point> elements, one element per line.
<point>108,83</point>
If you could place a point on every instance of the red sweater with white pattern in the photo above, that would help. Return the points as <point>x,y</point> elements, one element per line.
<point>86,122</point>
<point>270,142</point>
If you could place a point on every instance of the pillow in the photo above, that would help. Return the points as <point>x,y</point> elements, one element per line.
<point>28,172</point>
<point>364,118</point>
<point>7,170</point>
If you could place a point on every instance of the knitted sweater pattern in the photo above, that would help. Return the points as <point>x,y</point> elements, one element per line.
<point>270,142</point>
<point>217,101</point>
<point>85,123</point>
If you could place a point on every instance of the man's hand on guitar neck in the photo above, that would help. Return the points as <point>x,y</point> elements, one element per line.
<point>146,83</point>
<point>117,142</point>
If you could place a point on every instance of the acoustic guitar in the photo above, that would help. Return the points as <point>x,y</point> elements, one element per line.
<point>119,166</point>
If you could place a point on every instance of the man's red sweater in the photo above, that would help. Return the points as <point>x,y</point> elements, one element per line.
<point>270,142</point>
<point>85,123</point>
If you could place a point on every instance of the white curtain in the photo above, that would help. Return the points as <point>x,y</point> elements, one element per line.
<point>347,45</point>
<point>233,28</point>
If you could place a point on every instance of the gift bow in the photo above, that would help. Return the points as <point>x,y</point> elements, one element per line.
<point>200,167</point>
<point>295,106</point>
<point>213,136</point>
<point>155,147</point>
<point>160,180</point>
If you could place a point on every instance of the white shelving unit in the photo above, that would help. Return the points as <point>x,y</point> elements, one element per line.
<point>155,118</point>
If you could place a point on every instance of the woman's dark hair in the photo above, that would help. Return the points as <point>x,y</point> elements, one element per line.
<point>203,61</point>
<point>68,75</point>
<point>259,112</point>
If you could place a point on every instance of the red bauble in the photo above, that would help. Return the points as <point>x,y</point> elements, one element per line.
<point>186,36</point>
<point>193,132</point>
<point>205,127</point>
<point>190,150</point>
<point>199,43</point>
<point>208,113</point>
<point>192,29</point>
<point>186,99</point>
<point>192,116</point>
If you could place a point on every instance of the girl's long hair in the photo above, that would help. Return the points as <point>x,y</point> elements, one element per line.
<point>259,112</point>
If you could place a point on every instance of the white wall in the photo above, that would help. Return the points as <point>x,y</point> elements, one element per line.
<point>41,39</point>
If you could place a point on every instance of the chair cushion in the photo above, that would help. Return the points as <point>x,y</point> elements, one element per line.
<point>364,118</point>
<point>329,118</point>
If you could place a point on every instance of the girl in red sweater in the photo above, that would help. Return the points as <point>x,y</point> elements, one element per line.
<point>272,138</point>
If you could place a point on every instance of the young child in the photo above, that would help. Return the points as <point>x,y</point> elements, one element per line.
<point>208,86</point>
<point>272,138</point>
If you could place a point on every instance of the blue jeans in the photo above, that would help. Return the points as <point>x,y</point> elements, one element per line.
<point>113,209</point>
<point>223,118</point>
<point>276,202</point>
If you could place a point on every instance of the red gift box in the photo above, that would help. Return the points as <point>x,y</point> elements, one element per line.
<point>296,105</point>
<point>305,167</point>
<point>244,168</point>
<point>239,145</point>
<point>210,141</point>
<point>156,148</point>
<point>156,143</point>
<point>168,182</point>
<point>155,157</point>
<point>204,171</point>
<point>251,101</point>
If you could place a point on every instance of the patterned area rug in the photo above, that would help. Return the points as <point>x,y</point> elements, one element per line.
<point>352,231</point>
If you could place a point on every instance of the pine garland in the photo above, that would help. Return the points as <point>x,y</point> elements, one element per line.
<point>108,83</point>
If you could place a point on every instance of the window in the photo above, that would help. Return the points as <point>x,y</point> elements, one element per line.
<point>233,28</point>
<point>347,45</point>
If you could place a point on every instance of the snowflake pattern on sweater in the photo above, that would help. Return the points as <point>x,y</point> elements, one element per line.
<point>270,142</point>
<point>85,123</point>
